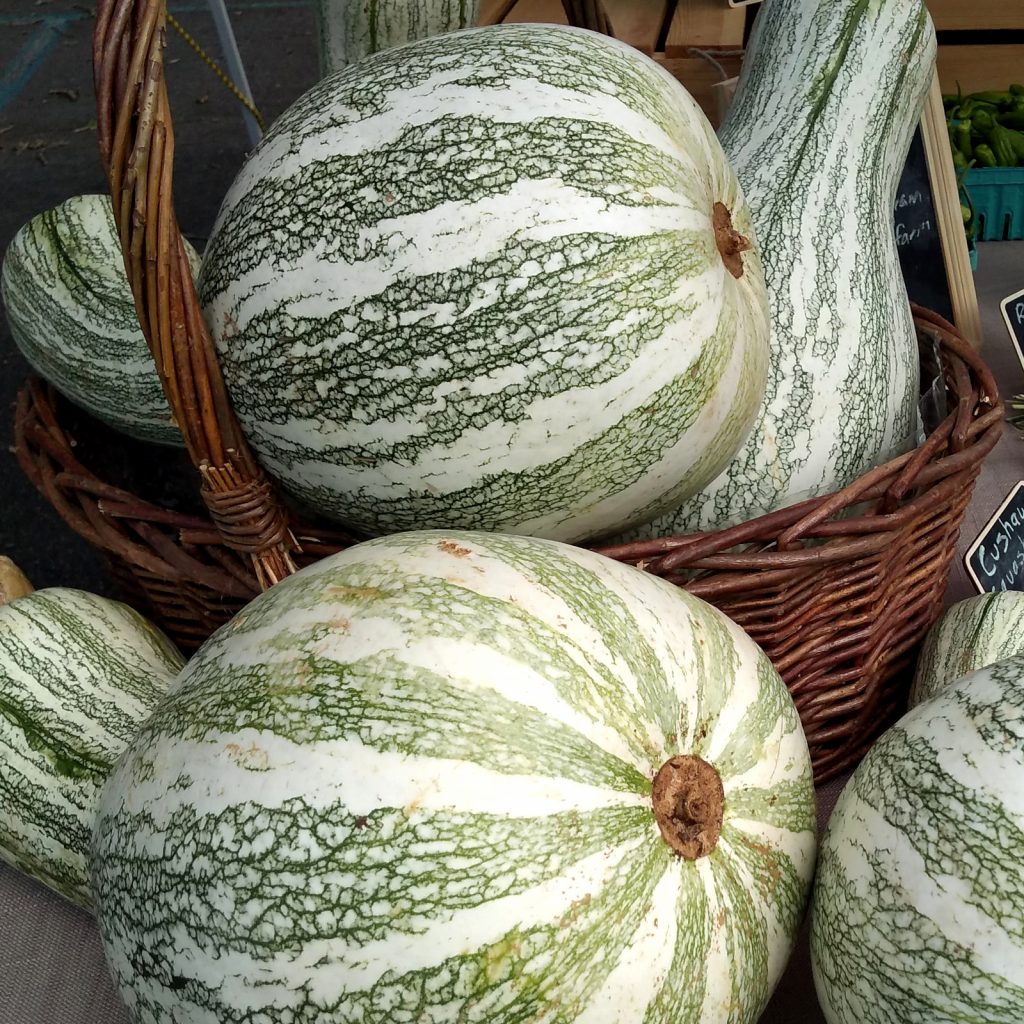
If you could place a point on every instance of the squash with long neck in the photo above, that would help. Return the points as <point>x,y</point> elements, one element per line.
<point>353,29</point>
<point>818,134</point>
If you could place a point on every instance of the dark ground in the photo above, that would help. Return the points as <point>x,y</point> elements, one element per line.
<point>48,152</point>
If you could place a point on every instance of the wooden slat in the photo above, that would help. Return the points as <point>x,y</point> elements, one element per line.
<point>550,11</point>
<point>976,14</point>
<point>700,77</point>
<point>946,201</point>
<point>708,24</point>
<point>493,11</point>
<point>980,67</point>
<point>637,22</point>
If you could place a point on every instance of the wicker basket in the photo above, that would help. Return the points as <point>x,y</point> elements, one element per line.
<point>838,590</point>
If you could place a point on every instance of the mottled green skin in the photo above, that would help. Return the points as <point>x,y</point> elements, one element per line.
<point>78,676</point>
<point>72,315</point>
<point>818,132</point>
<point>918,914</point>
<point>474,282</point>
<point>969,635</point>
<point>353,29</point>
<point>413,783</point>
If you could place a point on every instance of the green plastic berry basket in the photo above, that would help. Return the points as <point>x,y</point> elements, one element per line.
<point>998,197</point>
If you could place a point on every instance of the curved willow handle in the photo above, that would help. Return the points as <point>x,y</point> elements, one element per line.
<point>136,140</point>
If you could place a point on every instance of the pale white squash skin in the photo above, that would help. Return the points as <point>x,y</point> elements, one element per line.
<point>414,781</point>
<point>353,29</point>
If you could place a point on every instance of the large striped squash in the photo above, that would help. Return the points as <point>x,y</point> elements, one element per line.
<point>461,777</point>
<point>819,130</point>
<point>353,29</point>
<point>78,675</point>
<point>72,314</point>
<point>919,899</point>
<point>495,279</point>
<point>969,635</point>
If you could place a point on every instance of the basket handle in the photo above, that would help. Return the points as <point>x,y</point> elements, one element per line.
<point>136,138</point>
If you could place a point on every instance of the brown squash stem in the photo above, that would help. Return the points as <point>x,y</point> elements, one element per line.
<point>13,583</point>
<point>731,244</point>
<point>689,803</point>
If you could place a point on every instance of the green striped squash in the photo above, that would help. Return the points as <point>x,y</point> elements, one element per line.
<point>918,914</point>
<point>353,29</point>
<point>444,776</point>
<point>829,96</point>
<point>969,635</point>
<point>72,314</point>
<point>78,675</point>
<point>483,281</point>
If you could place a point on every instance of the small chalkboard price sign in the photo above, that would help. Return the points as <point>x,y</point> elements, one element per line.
<point>1013,313</point>
<point>995,560</point>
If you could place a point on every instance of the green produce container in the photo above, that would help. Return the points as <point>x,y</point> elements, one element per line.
<point>998,197</point>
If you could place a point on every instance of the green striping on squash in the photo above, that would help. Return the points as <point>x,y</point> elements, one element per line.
<point>476,282</point>
<point>818,132</point>
<point>72,314</point>
<point>414,782</point>
<point>918,912</point>
<point>969,635</point>
<point>352,29</point>
<point>78,675</point>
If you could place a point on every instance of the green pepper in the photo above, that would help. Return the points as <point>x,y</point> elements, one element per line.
<point>1002,145</point>
<point>1017,90</point>
<point>982,123</point>
<point>970,106</point>
<point>1013,119</point>
<point>960,162</point>
<point>996,98</point>
<point>984,156</point>
<point>962,140</point>
<point>1015,140</point>
<point>965,212</point>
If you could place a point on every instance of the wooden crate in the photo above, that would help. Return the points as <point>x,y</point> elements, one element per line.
<point>699,41</point>
<point>976,62</point>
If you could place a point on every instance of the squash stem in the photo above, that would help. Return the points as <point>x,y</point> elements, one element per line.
<point>731,244</point>
<point>689,803</point>
<point>13,583</point>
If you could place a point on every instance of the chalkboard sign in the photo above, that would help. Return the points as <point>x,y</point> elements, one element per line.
<point>918,241</point>
<point>1013,313</point>
<point>995,560</point>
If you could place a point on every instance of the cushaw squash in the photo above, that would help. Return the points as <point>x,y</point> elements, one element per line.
<point>71,313</point>
<point>918,913</point>
<point>78,676</point>
<point>498,279</point>
<point>969,635</point>
<point>818,132</point>
<point>456,776</point>
<point>353,29</point>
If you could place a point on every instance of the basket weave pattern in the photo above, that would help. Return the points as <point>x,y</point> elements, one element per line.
<point>838,590</point>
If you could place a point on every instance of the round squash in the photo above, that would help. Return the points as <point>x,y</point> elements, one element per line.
<point>969,635</point>
<point>457,776</point>
<point>498,279</point>
<point>918,913</point>
<point>78,675</point>
<point>72,315</point>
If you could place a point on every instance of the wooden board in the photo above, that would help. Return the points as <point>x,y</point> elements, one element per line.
<point>980,67</point>
<point>946,197</point>
<point>550,11</point>
<point>950,15</point>
<point>637,22</point>
<point>701,78</point>
<point>707,24</point>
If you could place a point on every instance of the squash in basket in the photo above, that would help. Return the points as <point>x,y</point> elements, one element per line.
<point>498,279</point>
<point>72,314</point>
<point>819,130</point>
